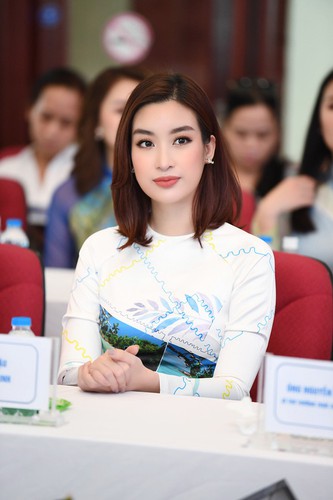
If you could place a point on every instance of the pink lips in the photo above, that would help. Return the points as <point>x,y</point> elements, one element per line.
<point>166,182</point>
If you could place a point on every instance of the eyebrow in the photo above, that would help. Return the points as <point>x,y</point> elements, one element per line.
<point>184,128</point>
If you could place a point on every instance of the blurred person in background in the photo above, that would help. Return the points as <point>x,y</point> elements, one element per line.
<point>53,115</point>
<point>83,204</point>
<point>313,224</point>
<point>251,127</point>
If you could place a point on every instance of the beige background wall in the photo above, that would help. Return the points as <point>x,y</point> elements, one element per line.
<point>87,19</point>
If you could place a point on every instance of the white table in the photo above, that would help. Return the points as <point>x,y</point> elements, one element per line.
<point>148,446</point>
<point>58,284</point>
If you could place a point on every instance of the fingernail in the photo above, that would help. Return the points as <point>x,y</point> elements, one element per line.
<point>111,350</point>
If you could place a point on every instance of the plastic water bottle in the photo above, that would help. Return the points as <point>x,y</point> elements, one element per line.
<point>14,234</point>
<point>21,326</point>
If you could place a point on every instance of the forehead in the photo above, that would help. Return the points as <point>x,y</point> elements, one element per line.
<point>120,90</point>
<point>328,92</point>
<point>165,115</point>
<point>252,116</point>
<point>58,97</point>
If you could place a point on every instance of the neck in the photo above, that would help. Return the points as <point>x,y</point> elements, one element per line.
<point>248,180</point>
<point>42,162</point>
<point>109,157</point>
<point>171,220</point>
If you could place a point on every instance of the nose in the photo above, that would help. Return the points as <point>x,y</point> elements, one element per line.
<point>164,159</point>
<point>52,129</point>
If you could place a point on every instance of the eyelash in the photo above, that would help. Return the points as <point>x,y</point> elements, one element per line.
<point>143,143</point>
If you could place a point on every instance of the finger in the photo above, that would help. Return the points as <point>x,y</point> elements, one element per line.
<point>133,349</point>
<point>120,371</point>
<point>85,381</point>
<point>107,384</point>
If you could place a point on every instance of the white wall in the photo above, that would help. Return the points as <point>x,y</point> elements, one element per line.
<point>309,57</point>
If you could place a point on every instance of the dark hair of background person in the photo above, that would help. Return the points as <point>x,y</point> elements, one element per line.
<point>88,164</point>
<point>250,92</point>
<point>218,197</point>
<point>62,77</point>
<point>316,160</point>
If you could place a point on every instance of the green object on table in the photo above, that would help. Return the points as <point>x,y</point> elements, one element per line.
<point>61,405</point>
<point>18,411</point>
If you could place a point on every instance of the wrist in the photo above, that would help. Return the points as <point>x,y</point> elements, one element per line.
<point>150,381</point>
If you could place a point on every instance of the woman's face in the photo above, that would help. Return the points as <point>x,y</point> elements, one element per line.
<point>168,153</point>
<point>53,119</point>
<point>326,116</point>
<point>252,133</point>
<point>112,108</point>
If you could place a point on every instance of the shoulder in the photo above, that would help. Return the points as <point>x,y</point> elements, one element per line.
<point>102,245</point>
<point>65,196</point>
<point>18,164</point>
<point>66,189</point>
<point>240,247</point>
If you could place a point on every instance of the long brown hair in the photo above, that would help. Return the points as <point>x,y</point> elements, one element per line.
<point>88,163</point>
<point>217,199</point>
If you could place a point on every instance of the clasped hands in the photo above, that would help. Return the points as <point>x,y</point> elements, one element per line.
<point>117,371</point>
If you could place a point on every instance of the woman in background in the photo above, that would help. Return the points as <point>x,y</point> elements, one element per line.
<point>175,299</point>
<point>82,205</point>
<point>313,225</point>
<point>251,127</point>
<point>53,117</point>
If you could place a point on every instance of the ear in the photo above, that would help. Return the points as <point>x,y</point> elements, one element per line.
<point>210,147</point>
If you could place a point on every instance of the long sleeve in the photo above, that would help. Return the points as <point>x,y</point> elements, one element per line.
<point>243,343</point>
<point>60,248</point>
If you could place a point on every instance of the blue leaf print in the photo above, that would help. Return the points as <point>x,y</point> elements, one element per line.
<point>139,304</point>
<point>192,303</point>
<point>167,322</point>
<point>166,305</point>
<point>178,328</point>
<point>153,304</point>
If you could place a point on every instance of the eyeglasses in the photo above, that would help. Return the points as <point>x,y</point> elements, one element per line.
<point>248,83</point>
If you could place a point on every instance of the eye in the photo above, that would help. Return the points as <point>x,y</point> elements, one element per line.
<point>145,144</point>
<point>46,117</point>
<point>263,135</point>
<point>182,140</point>
<point>241,134</point>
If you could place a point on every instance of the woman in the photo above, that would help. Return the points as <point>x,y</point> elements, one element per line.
<point>252,129</point>
<point>82,205</point>
<point>313,225</point>
<point>175,299</point>
<point>53,116</point>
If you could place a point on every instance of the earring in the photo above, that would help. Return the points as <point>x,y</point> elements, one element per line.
<point>132,170</point>
<point>210,162</point>
<point>99,133</point>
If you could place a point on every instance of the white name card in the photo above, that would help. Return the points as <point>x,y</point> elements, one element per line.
<point>298,396</point>
<point>25,364</point>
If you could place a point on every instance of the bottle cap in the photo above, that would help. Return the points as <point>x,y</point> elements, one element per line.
<point>21,321</point>
<point>265,237</point>
<point>13,223</point>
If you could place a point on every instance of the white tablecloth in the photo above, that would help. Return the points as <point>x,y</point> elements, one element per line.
<point>148,446</point>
